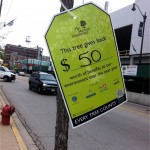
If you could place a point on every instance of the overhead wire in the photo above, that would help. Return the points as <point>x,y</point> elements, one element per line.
<point>8,10</point>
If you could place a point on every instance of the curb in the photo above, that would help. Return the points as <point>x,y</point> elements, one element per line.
<point>18,136</point>
<point>15,130</point>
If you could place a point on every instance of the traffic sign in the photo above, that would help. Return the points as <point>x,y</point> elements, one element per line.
<point>86,63</point>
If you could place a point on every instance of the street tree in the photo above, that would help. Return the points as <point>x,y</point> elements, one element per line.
<point>1,53</point>
<point>62,118</point>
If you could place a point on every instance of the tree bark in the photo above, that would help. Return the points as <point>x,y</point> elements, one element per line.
<point>62,119</point>
<point>67,3</point>
<point>62,124</point>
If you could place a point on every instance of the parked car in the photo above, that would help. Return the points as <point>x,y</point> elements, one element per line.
<point>43,82</point>
<point>6,75</point>
<point>21,73</point>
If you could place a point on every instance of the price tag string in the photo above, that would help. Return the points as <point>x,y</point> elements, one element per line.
<point>74,16</point>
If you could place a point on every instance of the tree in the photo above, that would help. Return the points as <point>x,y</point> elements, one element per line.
<point>1,53</point>
<point>62,119</point>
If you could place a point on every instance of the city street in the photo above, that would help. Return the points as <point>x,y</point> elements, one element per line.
<point>124,128</point>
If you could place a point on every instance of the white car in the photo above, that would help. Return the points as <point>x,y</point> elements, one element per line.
<point>6,75</point>
<point>21,73</point>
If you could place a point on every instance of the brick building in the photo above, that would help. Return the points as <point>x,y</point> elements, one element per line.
<point>14,53</point>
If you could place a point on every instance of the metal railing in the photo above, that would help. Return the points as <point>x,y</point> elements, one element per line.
<point>124,53</point>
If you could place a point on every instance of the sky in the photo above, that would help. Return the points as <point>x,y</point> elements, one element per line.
<point>33,17</point>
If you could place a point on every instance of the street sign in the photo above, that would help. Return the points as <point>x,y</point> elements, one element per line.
<point>130,70</point>
<point>86,63</point>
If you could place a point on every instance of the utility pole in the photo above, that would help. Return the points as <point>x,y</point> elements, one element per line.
<point>62,118</point>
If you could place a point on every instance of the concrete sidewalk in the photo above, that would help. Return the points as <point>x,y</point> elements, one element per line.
<point>10,138</point>
<point>14,136</point>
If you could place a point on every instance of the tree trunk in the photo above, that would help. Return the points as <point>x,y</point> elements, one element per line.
<point>62,119</point>
<point>68,4</point>
<point>62,124</point>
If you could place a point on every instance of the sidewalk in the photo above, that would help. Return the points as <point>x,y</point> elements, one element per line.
<point>10,138</point>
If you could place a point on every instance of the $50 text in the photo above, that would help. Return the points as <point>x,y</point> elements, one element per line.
<point>87,60</point>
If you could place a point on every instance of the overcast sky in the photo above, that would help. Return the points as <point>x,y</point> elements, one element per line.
<point>34,16</point>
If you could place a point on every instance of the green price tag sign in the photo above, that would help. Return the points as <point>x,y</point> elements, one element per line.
<point>86,62</point>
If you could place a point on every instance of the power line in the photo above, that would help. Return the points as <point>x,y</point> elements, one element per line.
<point>8,10</point>
<point>1,4</point>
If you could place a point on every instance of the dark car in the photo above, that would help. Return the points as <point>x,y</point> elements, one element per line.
<point>43,82</point>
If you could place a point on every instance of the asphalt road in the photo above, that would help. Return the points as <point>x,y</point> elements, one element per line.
<point>124,128</point>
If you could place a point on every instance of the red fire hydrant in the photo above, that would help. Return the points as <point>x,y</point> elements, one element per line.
<point>7,111</point>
